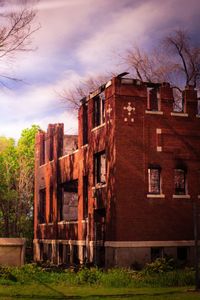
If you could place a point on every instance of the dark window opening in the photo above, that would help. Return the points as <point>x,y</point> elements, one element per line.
<point>69,204</point>
<point>42,153</point>
<point>182,253</point>
<point>76,260</point>
<point>51,205</point>
<point>49,253</point>
<point>153,101</point>
<point>41,251</point>
<point>66,255</point>
<point>85,123</point>
<point>156,252</point>
<point>42,206</point>
<point>100,168</point>
<point>154,180</point>
<point>60,253</point>
<point>51,146</point>
<point>85,197</point>
<point>180,181</point>
<point>99,109</point>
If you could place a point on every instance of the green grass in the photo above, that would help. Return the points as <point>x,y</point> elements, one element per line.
<point>60,291</point>
<point>33,282</point>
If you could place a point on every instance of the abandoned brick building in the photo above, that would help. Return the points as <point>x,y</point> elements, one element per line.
<point>123,190</point>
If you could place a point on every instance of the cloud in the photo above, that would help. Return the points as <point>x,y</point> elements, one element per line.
<point>80,38</point>
<point>141,25</point>
<point>37,105</point>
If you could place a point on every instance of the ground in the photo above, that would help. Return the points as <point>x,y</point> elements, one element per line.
<point>62,291</point>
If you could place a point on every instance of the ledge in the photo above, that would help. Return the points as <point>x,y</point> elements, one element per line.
<point>84,221</point>
<point>67,222</point>
<point>179,114</point>
<point>66,155</point>
<point>99,186</point>
<point>98,127</point>
<point>84,146</point>
<point>12,241</point>
<point>155,196</point>
<point>181,197</point>
<point>198,116</point>
<point>153,112</point>
<point>109,83</point>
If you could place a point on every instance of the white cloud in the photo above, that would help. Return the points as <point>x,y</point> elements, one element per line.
<point>37,105</point>
<point>79,38</point>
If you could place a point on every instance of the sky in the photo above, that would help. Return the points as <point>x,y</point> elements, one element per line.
<point>78,39</point>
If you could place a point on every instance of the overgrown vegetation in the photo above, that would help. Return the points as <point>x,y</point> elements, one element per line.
<point>113,278</point>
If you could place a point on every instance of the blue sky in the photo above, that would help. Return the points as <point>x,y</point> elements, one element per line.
<point>78,39</point>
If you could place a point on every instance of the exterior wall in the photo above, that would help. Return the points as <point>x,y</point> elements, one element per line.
<point>120,211</point>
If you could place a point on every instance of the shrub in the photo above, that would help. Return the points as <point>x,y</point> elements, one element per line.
<point>160,265</point>
<point>90,276</point>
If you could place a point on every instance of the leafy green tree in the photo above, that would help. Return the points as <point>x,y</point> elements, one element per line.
<point>8,193</point>
<point>16,184</point>
<point>25,151</point>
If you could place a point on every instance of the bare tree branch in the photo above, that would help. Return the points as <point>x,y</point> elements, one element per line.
<point>16,29</point>
<point>71,97</point>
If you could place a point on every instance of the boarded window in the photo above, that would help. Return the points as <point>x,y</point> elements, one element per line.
<point>69,207</point>
<point>42,206</point>
<point>100,168</point>
<point>154,180</point>
<point>99,109</point>
<point>180,181</point>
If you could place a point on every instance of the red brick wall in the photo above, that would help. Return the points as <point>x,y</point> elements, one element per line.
<point>130,142</point>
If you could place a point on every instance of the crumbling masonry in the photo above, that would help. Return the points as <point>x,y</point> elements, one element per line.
<point>124,192</point>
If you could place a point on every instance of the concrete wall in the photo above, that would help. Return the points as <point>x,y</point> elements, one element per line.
<point>12,251</point>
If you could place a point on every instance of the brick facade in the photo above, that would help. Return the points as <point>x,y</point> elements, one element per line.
<point>127,192</point>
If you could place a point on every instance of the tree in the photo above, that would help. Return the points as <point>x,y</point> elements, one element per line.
<point>175,60</point>
<point>71,97</point>
<point>25,187</point>
<point>15,30</point>
<point>8,192</point>
<point>16,184</point>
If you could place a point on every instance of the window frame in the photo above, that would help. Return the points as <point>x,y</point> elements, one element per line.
<point>99,109</point>
<point>68,187</point>
<point>153,102</point>
<point>180,190</point>
<point>150,184</point>
<point>98,168</point>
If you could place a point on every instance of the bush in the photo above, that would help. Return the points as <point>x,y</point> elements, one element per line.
<point>90,276</point>
<point>160,265</point>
